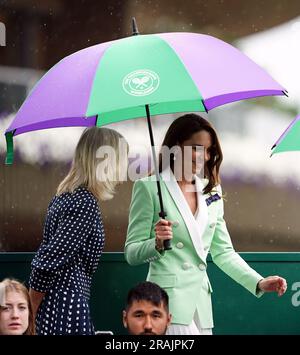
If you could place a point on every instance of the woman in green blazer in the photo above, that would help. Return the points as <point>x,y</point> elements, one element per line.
<point>194,208</point>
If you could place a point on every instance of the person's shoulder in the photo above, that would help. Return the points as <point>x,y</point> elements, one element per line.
<point>146,182</point>
<point>146,185</point>
<point>218,189</point>
<point>148,178</point>
<point>80,197</point>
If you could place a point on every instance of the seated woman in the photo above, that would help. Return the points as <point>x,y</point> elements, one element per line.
<point>16,317</point>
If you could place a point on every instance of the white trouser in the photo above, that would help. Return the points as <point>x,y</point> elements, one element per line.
<point>192,329</point>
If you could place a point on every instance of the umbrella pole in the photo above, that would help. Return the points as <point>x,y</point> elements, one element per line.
<point>162,213</point>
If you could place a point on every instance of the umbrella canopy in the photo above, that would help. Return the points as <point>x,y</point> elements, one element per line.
<point>114,81</point>
<point>139,76</point>
<point>290,138</point>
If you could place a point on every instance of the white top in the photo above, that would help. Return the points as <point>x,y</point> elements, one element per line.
<point>196,213</point>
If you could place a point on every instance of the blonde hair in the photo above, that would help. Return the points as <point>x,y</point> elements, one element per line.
<point>11,285</point>
<point>86,171</point>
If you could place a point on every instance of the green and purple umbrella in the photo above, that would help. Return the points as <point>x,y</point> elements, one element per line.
<point>114,81</point>
<point>140,76</point>
<point>290,139</point>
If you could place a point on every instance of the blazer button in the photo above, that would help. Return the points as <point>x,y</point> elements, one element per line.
<point>202,267</point>
<point>179,245</point>
<point>212,225</point>
<point>175,224</point>
<point>186,266</point>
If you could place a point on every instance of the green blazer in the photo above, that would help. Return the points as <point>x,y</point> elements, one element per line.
<point>182,270</point>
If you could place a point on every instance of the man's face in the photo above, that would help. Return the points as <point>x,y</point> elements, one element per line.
<point>145,318</point>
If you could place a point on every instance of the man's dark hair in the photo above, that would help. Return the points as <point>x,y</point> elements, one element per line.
<point>148,291</point>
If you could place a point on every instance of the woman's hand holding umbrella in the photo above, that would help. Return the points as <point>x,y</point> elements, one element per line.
<point>163,231</point>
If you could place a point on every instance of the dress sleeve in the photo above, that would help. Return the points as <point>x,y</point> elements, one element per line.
<point>71,233</point>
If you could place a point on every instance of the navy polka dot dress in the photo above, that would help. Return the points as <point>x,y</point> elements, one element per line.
<point>65,262</point>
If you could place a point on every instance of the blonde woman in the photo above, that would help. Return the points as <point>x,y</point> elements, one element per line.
<point>73,239</point>
<point>16,317</point>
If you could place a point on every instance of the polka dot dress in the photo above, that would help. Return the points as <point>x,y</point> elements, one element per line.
<point>65,262</point>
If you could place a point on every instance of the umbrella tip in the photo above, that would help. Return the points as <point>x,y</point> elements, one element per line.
<point>272,153</point>
<point>135,30</point>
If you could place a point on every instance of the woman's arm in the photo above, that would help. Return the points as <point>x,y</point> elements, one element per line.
<point>72,231</point>
<point>140,244</point>
<point>225,257</point>
<point>36,299</point>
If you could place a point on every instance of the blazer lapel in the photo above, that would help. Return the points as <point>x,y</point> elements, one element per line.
<point>193,227</point>
<point>202,216</point>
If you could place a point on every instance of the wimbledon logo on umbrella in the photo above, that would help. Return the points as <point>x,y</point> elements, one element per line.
<point>141,82</point>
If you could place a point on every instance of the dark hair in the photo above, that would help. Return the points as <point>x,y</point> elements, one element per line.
<point>181,130</point>
<point>148,291</point>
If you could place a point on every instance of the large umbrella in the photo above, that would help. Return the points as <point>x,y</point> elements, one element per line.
<point>289,139</point>
<point>138,76</point>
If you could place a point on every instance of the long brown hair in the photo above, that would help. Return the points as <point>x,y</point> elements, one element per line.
<point>12,285</point>
<point>181,130</point>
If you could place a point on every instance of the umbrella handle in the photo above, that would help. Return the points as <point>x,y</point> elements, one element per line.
<point>167,243</point>
<point>162,213</point>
